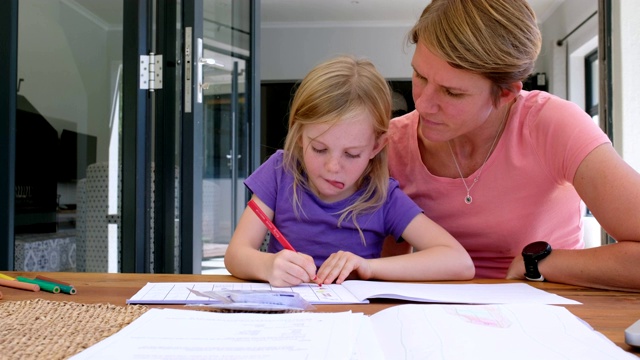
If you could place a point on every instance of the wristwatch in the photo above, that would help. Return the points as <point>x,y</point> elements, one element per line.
<point>532,254</point>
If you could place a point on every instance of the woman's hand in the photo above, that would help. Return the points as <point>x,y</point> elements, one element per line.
<point>339,266</point>
<point>516,269</point>
<point>290,268</point>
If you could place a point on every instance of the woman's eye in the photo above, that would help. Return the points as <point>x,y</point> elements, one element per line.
<point>454,95</point>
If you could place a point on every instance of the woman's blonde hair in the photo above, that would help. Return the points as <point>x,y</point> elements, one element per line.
<point>334,90</point>
<point>498,39</point>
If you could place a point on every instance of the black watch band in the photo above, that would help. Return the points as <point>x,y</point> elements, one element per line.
<point>532,254</point>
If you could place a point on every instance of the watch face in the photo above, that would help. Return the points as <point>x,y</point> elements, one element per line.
<point>535,248</point>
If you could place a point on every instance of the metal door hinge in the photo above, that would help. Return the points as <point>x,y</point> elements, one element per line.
<point>150,72</point>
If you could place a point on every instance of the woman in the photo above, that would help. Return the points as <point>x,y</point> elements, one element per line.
<point>501,168</point>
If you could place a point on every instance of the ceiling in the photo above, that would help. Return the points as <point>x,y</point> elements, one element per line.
<point>291,13</point>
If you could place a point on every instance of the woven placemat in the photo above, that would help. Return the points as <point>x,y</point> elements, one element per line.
<point>43,329</point>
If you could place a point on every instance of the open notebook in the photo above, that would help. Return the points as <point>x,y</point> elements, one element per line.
<point>357,291</point>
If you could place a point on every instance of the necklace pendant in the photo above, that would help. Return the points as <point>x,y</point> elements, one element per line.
<point>468,199</point>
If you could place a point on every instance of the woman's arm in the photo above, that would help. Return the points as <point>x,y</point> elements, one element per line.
<point>611,190</point>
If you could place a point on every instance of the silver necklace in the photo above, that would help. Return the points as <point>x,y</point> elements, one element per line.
<point>468,199</point>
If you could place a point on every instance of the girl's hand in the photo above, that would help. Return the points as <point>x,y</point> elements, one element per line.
<point>290,268</point>
<point>339,266</point>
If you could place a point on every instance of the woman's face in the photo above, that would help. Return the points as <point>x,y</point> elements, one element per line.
<point>451,102</point>
<point>336,155</point>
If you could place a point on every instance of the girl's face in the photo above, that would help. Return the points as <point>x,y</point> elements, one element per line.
<point>336,155</point>
<point>451,102</point>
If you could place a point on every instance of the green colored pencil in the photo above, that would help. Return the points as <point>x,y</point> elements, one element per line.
<point>44,285</point>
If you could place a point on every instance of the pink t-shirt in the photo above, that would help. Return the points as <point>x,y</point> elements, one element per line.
<point>525,192</point>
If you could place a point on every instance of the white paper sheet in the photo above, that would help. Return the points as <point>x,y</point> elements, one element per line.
<point>496,332</point>
<point>187,334</point>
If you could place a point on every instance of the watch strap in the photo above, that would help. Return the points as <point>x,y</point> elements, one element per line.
<point>541,278</point>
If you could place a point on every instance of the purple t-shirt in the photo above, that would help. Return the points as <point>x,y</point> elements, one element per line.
<point>314,231</point>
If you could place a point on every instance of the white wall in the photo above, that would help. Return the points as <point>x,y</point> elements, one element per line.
<point>288,53</point>
<point>626,80</point>
<point>554,59</point>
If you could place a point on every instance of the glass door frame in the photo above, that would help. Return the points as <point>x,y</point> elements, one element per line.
<point>191,133</point>
<point>136,130</point>
<point>8,96</point>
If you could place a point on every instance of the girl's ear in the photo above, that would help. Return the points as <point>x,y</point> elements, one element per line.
<point>381,142</point>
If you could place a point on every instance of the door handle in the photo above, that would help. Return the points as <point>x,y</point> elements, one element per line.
<point>200,63</point>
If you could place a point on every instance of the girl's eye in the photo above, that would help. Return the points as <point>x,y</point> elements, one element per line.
<point>319,151</point>
<point>352,156</point>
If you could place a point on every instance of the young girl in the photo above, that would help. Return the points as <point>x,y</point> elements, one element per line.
<point>330,195</point>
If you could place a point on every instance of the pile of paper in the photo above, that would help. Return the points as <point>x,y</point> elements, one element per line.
<point>503,331</point>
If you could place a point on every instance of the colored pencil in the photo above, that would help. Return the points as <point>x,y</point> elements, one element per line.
<point>67,289</point>
<point>273,229</point>
<point>270,225</point>
<point>52,280</point>
<point>19,285</point>
<point>6,277</point>
<point>43,284</point>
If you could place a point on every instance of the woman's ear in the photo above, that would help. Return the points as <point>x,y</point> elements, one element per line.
<point>381,142</point>
<point>509,93</point>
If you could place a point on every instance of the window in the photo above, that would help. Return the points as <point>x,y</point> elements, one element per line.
<point>592,84</point>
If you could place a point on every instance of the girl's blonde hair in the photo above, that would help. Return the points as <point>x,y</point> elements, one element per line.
<point>498,39</point>
<point>334,90</point>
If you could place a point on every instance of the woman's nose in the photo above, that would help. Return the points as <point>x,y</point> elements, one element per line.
<point>426,101</point>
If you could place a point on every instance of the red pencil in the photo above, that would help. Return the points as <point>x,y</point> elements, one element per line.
<point>272,228</point>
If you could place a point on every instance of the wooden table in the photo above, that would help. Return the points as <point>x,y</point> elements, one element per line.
<point>609,312</point>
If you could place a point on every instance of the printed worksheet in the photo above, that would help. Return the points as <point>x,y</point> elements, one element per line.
<point>180,293</point>
<point>188,334</point>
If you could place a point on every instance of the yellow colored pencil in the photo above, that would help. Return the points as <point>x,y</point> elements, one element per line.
<point>6,277</point>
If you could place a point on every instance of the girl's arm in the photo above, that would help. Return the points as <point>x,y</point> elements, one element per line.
<point>437,256</point>
<point>244,259</point>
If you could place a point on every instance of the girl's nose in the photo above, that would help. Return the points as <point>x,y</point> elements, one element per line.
<point>333,164</point>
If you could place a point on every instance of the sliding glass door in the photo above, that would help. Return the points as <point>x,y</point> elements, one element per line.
<point>133,133</point>
<point>226,51</point>
<point>68,135</point>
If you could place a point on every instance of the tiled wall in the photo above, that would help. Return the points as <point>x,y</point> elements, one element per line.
<point>46,252</point>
